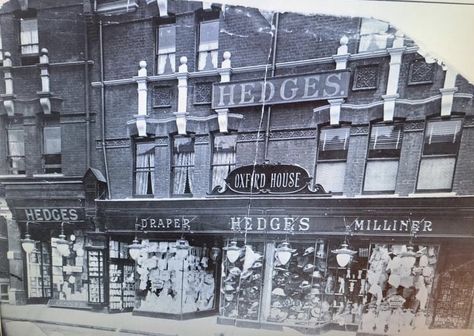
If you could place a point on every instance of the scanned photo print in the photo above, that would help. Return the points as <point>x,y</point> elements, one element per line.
<point>174,168</point>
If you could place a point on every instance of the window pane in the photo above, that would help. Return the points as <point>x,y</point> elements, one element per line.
<point>373,35</point>
<point>208,35</point>
<point>29,31</point>
<point>224,143</point>
<point>52,140</point>
<point>436,174</point>
<point>333,144</point>
<point>144,168</point>
<point>16,143</point>
<point>166,39</point>
<point>442,137</point>
<point>331,175</point>
<point>183,145</point>
<point>166,63</point>
<point>381,175</point>
<point>385,141</point>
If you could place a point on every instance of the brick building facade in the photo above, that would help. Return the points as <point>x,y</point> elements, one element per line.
<point>187,125</point>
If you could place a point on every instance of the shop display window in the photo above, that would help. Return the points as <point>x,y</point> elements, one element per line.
<point>121,277</point>
<point>399,283</point>
<point>175,278</point>
<point>95,262</point>
<point>39,271</point>
<point>242,281</point>
<point>70,272</point>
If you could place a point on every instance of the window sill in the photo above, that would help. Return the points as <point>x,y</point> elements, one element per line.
<point>12,176</point>
<point>49,175</point>
<point>432,193</point>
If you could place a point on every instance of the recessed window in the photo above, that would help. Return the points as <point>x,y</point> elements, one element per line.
<point>16,151</point>
<point>144,168</point>
<point>223,159</point>
<point>52,149</point>
<point>332,156</point>
<point>183,166</point>
<point>383,158</point>
<point>29,36</point>
<point>441,145</point>
<point>373,35</point>
<point>166,49</point>
<point>208,45</point>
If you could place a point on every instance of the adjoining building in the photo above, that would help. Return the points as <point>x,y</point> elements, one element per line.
<point>182,159</point>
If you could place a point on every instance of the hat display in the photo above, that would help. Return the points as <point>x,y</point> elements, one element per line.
<point>279,292</point>
<point>308,268</point>
<point>235,271</point>
<point>305,285</point>
<point>316,274</point>
<point>308,251</point>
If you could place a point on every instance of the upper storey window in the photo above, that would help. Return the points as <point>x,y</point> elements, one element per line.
<point>373,35</point>
<point>166,49</point>
<point>208,45</point>
<point>144,167</point>
<point>52,149</point>
<point>223,158</point>
<point>16,151</point>
<point>383,158</point>
<point>332,156</point>
<point>29,36</point>
<point>441,144</point>
<point>183,166</point>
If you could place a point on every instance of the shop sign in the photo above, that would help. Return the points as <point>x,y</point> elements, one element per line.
<point>269,179</point>
<point>50,214</point>
<point>280,90</point>
<point>165,223</point>
<point>266,224</point>
<point>391,225</point>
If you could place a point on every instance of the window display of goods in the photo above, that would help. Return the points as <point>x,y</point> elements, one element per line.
<point>174,280</point>
<point>241,286</point>
<point>399,283</point>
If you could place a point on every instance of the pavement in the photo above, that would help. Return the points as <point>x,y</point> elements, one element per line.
<point>29,320</point>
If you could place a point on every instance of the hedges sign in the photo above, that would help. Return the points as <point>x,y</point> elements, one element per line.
<point>280,90</point>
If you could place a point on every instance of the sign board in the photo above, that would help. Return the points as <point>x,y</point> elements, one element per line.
<point>58,214</point>
<point>280,90</point>
<point>269,179</point>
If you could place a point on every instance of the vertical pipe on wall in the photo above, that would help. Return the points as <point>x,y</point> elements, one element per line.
<point>86,94</point>
<point>102,108</point>
<point>269,109</point>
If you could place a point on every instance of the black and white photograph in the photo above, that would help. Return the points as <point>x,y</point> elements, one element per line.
<point>189,168</point>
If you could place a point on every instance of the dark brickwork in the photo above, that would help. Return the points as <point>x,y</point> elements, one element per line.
<point>409,162</point>
<point>463,178</point>
<point>356,158</point>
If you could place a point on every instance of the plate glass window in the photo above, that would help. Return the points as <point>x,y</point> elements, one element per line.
<point>223,159</point>
<point>16,151</point>
<point>144,168</point>
<point>166,53</point>
<point>52,149</point>
<point>183,166</point>
<point>208,45</point>
<point>29,36</point>
<point>332,156</point>
<point>383,158</point>
<point>441,144</point>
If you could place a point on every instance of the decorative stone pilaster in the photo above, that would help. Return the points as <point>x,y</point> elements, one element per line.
<point>181,114</point>
<point>342,54</point>
<point>44,94</point>
<point>447,92</point>
<point>224,71</point>
<point>335,111</point>
<point>142,90</point>
<point>8,97</point>
<point>391,95</point>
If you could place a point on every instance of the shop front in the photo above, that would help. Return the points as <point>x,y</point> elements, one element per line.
<point>285,262</point>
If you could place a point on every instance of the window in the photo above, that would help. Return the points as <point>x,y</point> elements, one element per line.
<point>183,166</point>
<point>4,288</point>
<point>223,159</point>
<point>332,156</point>
<point>16,151</point>
<point>373,35</point>
<point>440,149</point>
<point>166,49</point>
<point>144,168</point>
<point>29,36</point>
<point>208,45</point>
<point>52,149</point>
<point>1,46</point>
<point>384,154</point>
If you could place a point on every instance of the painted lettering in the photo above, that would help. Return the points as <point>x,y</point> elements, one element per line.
<point>310,82</point>
<point>229,94</point>
<point>304,224</point>
<point>271,94</point>
<point>334,85</point>
<point>246,93</point>
<point>293,90</point>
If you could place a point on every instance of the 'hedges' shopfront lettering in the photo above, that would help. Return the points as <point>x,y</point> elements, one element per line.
<point>47,215</point>
<point>269,224</point>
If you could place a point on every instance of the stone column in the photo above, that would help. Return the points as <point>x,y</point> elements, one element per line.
<point>142,115</point>
<point>182,96</point>
<point>396,53</point>
<point>447,92</point>
<point>224,71</point>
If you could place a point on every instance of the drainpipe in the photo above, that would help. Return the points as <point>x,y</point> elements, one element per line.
<point>86,95</point>
<point>269,108</point>
<point>102,108</point>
